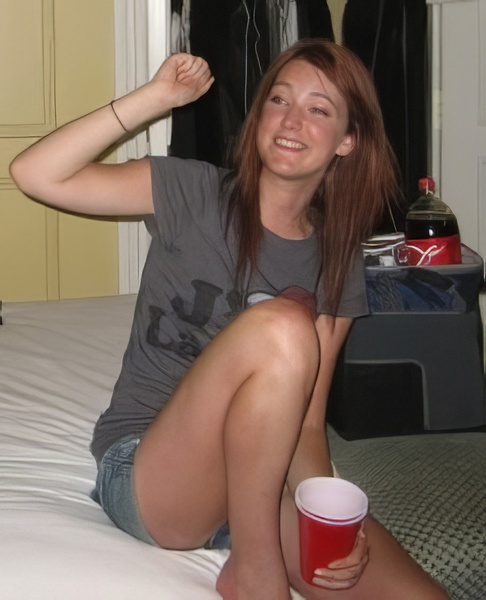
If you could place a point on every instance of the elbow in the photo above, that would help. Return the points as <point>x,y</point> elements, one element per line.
<point>18,173</point>
<point>12,168</point>
<point>22,174</point>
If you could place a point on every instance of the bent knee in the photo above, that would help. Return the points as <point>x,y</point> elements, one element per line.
<point>288,327</point>
<point>284,316</point>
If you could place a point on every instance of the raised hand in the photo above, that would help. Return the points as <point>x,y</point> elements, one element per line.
<point>189,78</point>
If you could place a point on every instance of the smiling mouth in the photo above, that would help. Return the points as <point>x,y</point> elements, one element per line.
<point>289,144</point>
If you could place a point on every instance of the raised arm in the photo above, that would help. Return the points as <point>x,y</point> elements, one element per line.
<point>61,169</point>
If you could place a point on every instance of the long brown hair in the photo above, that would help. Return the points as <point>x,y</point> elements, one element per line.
<point>355,189</point>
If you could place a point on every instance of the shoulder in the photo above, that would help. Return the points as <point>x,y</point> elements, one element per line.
<point>186,191</point>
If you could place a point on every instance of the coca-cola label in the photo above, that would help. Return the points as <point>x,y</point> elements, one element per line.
<point>435,251</point>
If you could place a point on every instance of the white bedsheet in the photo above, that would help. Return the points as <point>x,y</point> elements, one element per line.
<point>58,363</point>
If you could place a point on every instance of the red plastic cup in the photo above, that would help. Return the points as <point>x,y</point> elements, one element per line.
<point>331,511</point>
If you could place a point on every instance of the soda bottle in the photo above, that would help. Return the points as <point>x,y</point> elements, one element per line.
<point>431,229</point>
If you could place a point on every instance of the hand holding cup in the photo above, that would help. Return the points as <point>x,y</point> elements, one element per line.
<point>331,513</point>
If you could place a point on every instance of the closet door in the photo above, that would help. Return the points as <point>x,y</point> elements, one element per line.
<point>56,63</point>
<point>27,111</point>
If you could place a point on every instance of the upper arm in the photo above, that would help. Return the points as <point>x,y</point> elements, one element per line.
<point>117,189</point>
<point>99,189</point>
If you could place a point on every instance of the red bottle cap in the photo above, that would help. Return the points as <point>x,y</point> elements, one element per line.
<point>426,185</point>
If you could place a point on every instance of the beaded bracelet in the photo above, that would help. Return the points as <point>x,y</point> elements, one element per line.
<point>117,117</point>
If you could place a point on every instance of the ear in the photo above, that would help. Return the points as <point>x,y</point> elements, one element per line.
<point>346,145</point>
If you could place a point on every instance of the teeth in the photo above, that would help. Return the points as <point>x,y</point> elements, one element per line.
<point>289,143</point>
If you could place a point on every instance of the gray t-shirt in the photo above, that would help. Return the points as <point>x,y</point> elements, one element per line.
<point>187,292</point>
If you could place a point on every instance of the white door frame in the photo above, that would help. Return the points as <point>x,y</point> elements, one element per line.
<point>141,44</point>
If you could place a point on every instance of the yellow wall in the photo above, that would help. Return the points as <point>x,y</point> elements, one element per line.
<point>56,63</point>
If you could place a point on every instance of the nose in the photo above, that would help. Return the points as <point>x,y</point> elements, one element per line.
<point>292,119</point>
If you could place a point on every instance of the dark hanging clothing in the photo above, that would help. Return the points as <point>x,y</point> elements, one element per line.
<point>390,37</point>
<point>314,19</point>
<point>239,39</point>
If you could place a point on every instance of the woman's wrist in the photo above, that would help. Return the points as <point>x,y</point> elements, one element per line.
<point>140,107</point>
<point>117,117</point>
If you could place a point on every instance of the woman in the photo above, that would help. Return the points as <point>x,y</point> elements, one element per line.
<point>249,289</point>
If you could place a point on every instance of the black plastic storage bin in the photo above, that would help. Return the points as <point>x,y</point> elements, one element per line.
<point>415,363</point>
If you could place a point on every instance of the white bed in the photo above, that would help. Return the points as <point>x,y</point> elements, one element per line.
<point>58,363</point>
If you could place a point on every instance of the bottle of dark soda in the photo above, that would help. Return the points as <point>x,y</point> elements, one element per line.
<point>431,229</point>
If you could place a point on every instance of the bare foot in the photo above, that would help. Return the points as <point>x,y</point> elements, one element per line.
<point>252,581</point>
<point>225,586</point>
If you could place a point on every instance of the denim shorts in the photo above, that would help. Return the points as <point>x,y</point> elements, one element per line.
<point>115,492</point>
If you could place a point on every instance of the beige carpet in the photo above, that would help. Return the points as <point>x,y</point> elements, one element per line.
<point>430,492</point>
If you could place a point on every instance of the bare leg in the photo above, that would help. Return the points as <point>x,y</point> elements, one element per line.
<point>222,449</point>
<point>222,446</point>
<point>391,574</point>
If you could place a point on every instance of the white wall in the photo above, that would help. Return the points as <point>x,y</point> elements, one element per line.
<point>459,118</point>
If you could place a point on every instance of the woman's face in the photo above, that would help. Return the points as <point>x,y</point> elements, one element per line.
<point>302,125</point>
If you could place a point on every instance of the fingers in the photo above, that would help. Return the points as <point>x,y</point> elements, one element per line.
<point>190,66</point>
<point>192,70</point>
<point>358,554</point>
<point>334,584</point>
<point>181,79</point>
<point>344,573</point>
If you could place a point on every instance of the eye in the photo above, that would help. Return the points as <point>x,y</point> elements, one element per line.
<point>277,99</point>
<point>319,111</point>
